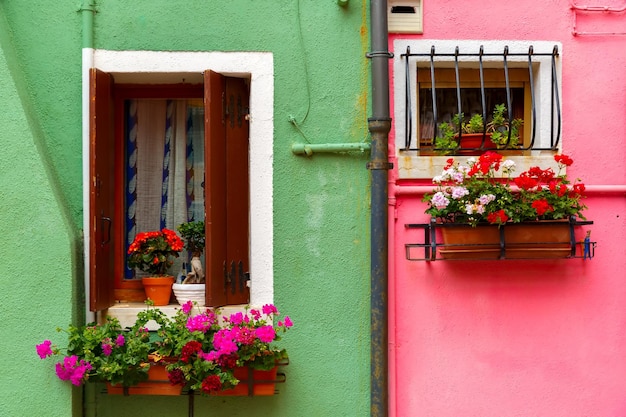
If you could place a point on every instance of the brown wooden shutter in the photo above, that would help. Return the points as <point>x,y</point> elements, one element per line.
<point>237,190</point>
<point>226,189</point>
<point>101,191</point>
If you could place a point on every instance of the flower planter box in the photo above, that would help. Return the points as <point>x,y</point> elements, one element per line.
<point>157,384</point>
<point>254,382</point>
<point>531,240</point>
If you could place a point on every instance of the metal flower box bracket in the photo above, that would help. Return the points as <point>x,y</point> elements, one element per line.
<point>547,239</point>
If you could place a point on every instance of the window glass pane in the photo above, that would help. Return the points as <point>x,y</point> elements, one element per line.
<point>471,103</point>
<point>164,168</point>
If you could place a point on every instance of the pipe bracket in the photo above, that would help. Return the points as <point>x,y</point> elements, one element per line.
<point>379,165</point>
<point>379,53</point>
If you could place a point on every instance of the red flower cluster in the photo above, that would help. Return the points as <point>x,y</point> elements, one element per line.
<point>151,251</point>
<point>486,162</point>
<point>211,383</point>
<point>497,217</point>
<point>190,349</point>
<point>484,190</point>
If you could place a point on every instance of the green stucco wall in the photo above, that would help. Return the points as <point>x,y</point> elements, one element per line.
<point>321,203</point>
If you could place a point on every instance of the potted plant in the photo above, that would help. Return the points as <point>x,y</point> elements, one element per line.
<point>446,141</point>
<point>483,192</point>
<point>192,285</point>
<point>232,355</point>
<point>476,135</point>
<point>500,128</point>
<point>108,353</point>
<point>152,252</point>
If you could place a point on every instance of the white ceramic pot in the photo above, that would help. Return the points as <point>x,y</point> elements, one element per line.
<point>189,292</point>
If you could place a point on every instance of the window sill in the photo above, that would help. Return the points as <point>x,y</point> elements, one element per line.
<point>126,313</point>
<point>413,166</point>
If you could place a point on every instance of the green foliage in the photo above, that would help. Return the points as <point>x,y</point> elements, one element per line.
<point>116,355</point>
<point>193,235</point>
<point>501,129</point>
<point>446,140</point>
<point>475,124</point>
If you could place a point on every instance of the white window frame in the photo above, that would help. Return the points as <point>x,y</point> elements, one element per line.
<point>413,166</point>
<point>147,67</point>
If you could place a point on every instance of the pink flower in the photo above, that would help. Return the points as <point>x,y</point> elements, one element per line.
<point>243,335</point>
<point>266,334</point>
<point>223,341</point>
<point>269,309</point>
<point>236,318</point>
<point>107,349</point>
<point>256,314</point>
<point>44,350</point>
<point>120,340</point>
<point>209,356</point>
<point>201,322</point>
<point>79,372</point>
<point>72,370</point>
<point>187,307</point>
<point>288,322</point>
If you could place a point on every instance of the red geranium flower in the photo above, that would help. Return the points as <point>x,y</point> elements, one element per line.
<point>211,383</point>
<point>541,206</point>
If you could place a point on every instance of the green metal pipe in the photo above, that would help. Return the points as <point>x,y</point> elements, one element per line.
<point>310,148</point>
<point>88,9</point>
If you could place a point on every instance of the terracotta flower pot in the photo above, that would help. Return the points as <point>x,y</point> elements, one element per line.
<point>470,143</point>
<point>158,289</point>
<point>253,382</point>
<point>157,384</point>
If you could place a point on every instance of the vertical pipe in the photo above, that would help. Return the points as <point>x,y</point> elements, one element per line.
<point>379,125</point>
<point>88,11</point>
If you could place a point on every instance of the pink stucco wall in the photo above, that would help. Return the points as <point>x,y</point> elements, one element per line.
<point>523,338</point>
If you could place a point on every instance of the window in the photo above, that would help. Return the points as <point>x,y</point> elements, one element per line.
<point>472,77</point>
<point>144,183</point>
<point>211,111</point>
<point>470,101</point>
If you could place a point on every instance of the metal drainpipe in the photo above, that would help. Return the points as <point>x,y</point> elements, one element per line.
<point>379,125</point>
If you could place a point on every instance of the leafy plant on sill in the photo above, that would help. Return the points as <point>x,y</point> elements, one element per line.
<point>474,125</point>
<point>200,350</point>
<point>475,192</point>
<point>500,128</point>
<point>447,139</point>
<point>193,235</point>
<point>497,130</point>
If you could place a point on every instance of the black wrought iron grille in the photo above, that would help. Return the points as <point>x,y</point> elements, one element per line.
<point>532,144</point>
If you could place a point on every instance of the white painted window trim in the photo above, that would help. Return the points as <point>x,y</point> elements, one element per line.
<point>259,68</point>
<point>410,165</point>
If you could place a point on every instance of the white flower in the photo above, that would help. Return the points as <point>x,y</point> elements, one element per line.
<point>508,166</point>
<point>486,198</point>
<point>440,200</point>
<point>459,192</point>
